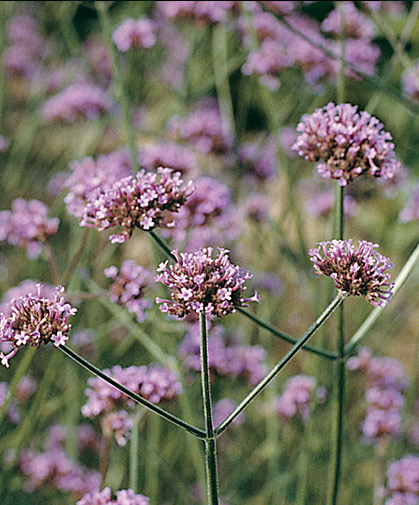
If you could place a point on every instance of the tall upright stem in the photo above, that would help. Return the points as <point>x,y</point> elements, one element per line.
<point>210,442</point>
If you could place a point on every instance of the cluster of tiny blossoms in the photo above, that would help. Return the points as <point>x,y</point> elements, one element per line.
<point>345,144</point>
<point>198,282</point>
<point>403,482</point>
<point>128,286</point>
<point>132,33</point>
<point>386,382</point>
<point>35,320</point>
<point>27,225</point>
<point>356,272</point>
<point>78,101</point>
<point>136,202</point>
<point>298,397</point>
<point>201,12</point>
<point>124,497</point>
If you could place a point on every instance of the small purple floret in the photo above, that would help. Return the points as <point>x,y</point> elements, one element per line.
<point>356,272</point>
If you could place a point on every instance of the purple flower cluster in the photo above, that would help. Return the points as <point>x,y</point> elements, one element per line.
<point>403,482</point>
<point>300,392</point>
<point>207,218</point>
<point>27,225</point>
<point>4,144</point>
<point>53,467</point>
<point>386,382</point>
<point>124,497</point>
<point>27,46</point>
<point>26,287</point>
<point>168,154</point>
<point>197,282</point>
<point>79,101</point>
<point>319,200</point>
<point>12,412</point>
<point>410,83</point>
<point>411,210</point>
<point>356,24</point>
<point>203,128</point>
<point>142,202</point>
<point>259,158</point>
<point>128,287</point>
<point>256,206</point>
<point>89,176</point>
<point>223,408</point>
<point>356,272</point>
<point>97,54</point>
<point>155,384</point>
<point>35,320</point>
<point>345,144</point>
<point>135,33</point>
<point>226,357</point>
<point>203,12</point>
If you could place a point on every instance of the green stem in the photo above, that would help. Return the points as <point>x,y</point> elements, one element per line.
<point>315,350</point>
<point>121,94</point>
<point>271,375</point>
<point>138,399</point>
<point>210,444</point>
<point>377,311</point>
<point>219,59</point>
<point>162,244</point>
<point>152,460</point>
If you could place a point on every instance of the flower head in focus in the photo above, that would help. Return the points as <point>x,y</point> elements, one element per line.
<point>198,282</point>
<point>142,202</point>
<point>27,225</point>
<point>357,272</point>
<point>345,144</point>
<point>35,320</point>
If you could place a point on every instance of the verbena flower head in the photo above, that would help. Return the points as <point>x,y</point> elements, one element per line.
<point>356,24</point>
<point>128,287</point>
<point>35,320</point>
<point>134,33</point>
<point>298,396</point>
<point>198,282</point>
<point>168,154</point>
<point>410,83</point>
<point>27,225</point>
<point>124,497</point>
<point>203,12</point>
<point>411,210</point>
<point>403,482</point>
<point>143,201</point>
<point>357,272</point>
<point>345,144</point>
<point>88,176</point>
<point>78,101</point>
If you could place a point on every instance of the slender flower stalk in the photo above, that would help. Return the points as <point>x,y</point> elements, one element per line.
<point>119,81</point>
<point>272,374</point>
<point>210,439</point>
<point>138,399</point>
<point>315,350</point>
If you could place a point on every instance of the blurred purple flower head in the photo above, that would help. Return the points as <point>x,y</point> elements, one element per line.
<point>356,272</point>
<point>12,412</point>
<point>124,497</point>
<point>203,128</point>
<point>203,12</point>
<point>319,200</point>
<point>35,320</point>
<point>97,54</point>
<point>259,158</point>
<point>356,24</point>
<point>256,207</point>
<point>223,408</point>
<point>79,101</point>
<point>411,210</point>
<point>280,7</point>
<point>142,202</point>
<point>298,397</point>
<point>394,8</point>
<point>346,144</point>
<point>226,357</point>
<point>197,282</point>
<point>84,341</point>
<point>287,138</point>
<point>25,389</point>
<point>118,424</point>
<point>27,225</point>
<point>410,83</point>
<point>403,481</point>
<point>135,33</point>
<point>128,287</point>
<point>179,158</point>
<point>155,383</point>
<point>386,381</point>
<point>90,176</point>
<point>207,217</point>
